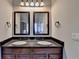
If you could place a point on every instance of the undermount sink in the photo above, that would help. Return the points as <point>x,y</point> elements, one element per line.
<point>44,43</point>
<point>19,43</point>
<point>31,43</point>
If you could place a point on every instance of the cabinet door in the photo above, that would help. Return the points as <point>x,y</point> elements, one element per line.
<point>54,56</point>
<point>39,56</point>
<point>47,50</point>
<point>17,56</point>
<point>16,53</point>
<point>47,53</point>
<point>9,56</point>
<point>23,56</point>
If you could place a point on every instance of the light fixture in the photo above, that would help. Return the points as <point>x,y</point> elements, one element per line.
<point>27,3</point>
<point>57,24</point>
<point>32,3</point>
<point>37,3</point>
<point>8,24</point>
<point>42,3</point>
<point>22,3</point>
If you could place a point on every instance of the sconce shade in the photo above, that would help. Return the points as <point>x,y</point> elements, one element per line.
<point>37,4</point>
<point>42,3</point>
<point>32,3</point>
<point>22,3</point>
<point>27,3</point>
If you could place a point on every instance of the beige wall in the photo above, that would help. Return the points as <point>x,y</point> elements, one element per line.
<point>5,15</point>
<point>67,12</point>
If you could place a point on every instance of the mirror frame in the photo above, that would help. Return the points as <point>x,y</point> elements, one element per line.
<point>15,22</point>
<point>47,24</point>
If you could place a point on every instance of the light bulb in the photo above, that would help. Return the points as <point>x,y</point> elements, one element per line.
<point>31,4</point>
<point>27,3</point>
<point>37,4</point>
<point>22,3</point>
<point>42,4</point>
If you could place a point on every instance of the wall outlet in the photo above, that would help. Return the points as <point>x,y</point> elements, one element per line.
<point>75,36</point>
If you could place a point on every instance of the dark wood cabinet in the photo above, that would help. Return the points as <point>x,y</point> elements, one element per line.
<point>23,56</point>
<point>8,56</point>
<point>54,56</point>
<point>39,56</point>
<point>31,53</point>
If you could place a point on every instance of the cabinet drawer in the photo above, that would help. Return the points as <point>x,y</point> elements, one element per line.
<point>16,50</point>
<point>54,56</point>
<point>23,56</point>
<point>8,56</point>
<point>39,56</point>
<point>47,50</point>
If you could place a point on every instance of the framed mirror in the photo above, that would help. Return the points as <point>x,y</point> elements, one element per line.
<point>41,23</point>
<point>21,23</point>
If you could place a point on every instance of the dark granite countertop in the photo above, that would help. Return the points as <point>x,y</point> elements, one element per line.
<point>32,42</point>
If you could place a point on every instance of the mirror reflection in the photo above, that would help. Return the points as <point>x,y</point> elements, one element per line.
<point>41,20</point>
<point>22,23</point>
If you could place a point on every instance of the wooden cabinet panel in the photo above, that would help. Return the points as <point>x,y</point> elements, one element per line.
<point>17,56</point>
<point>23,56</point>
<point>39,56</point>
<point>54,56</point>
<point>31,53</point>
<point>47,50</point>
<point>16,51</point>
<point>7,51</point>
<point>8,56</point>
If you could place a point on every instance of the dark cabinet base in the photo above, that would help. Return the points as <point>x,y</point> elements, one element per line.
<point>31,53</point>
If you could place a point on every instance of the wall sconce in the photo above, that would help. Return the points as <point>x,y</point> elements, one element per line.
<point>8,24</point>
<point>57,24</point>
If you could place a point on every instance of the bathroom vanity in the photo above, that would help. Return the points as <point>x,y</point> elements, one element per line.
<point>32,48</point>
<point>21,46</point>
